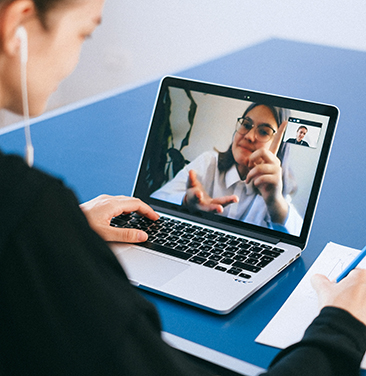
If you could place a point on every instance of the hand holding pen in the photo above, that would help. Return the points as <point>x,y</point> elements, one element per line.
<point>345,293</point>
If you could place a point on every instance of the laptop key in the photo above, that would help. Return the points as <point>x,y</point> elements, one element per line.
<point>205,248</point>
<point>160,241</point>
<point>177,233</point>
<point>243,252</point>
<point>267,259</point>
<point>197,260</point>
<point>256,256</point>
<point>234,242</point>
<point>279,250</point>
<point>271,253</point>
<point>256,249</point>
<point>215,257</point>
<point>163,234</point>
<point>210,264</point>
<point>220,246</point>
<point>166,250</point>
<point>216,251</point>
<point>231,249</point>
<point>228,254</point>
<point>209,242</point>
<point>234,271</point>
<point>250,268</point>
<point>194,244</point>
<point>262,264</point>
<point>227,261</point>
<point>188,236</point>
<point>251,261</point>
<point>189,230</point>
<point>245,246</point>
<point>192,251</point>
<point>239,257</point>
<point>204,254</point>
<point>172,238</point>
<point>170,244</point>
<point>181,247</point>
<point>220,268</point>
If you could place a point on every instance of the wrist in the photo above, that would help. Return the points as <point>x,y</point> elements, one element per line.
<point>278,210</point>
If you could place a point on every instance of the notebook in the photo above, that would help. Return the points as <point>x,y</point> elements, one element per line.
<point>235,175</point>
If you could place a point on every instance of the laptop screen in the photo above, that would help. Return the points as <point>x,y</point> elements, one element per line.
<point>242,160</point>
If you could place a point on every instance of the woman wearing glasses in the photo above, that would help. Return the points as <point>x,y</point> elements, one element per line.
<point>247,181</point>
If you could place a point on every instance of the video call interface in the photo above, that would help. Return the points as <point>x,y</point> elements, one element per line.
<point>194,130</point>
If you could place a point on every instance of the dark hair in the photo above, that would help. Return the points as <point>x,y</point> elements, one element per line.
<point>302,127</point>
<point>45,6</point>
<point>277,112</point>
<point>226,159</point>
<point>42,7</point>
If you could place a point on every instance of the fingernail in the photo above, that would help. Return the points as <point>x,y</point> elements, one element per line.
<point>142,236</point>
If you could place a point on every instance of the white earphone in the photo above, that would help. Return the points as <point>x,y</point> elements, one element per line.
<point>21,34</point>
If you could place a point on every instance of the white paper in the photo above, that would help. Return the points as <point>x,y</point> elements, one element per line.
<point>300,309</point>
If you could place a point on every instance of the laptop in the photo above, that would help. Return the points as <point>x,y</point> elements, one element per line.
<point>235,175</point>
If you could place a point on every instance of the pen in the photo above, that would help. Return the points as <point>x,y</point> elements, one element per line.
<point>352,265</point>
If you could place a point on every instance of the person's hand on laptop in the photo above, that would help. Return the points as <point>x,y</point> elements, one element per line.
<point>196,197</point>
<point>348,294</point>
<point>100,210</point>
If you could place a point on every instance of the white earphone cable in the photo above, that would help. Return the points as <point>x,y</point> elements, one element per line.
<point>23,37</point>
<point>29,147</point>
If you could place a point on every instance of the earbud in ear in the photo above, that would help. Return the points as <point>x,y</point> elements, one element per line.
<point>21,33</point>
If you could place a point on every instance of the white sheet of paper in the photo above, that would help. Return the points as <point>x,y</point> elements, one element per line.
<point>300,309</point>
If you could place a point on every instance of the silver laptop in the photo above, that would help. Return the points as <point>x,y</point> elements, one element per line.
<point>235,176</point>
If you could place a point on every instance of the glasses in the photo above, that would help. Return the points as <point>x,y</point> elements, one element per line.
<point>262,132</point>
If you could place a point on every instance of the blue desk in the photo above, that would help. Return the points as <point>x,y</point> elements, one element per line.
<point>95,148</point>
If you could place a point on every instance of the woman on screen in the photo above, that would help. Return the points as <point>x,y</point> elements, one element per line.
<point>247,181</point>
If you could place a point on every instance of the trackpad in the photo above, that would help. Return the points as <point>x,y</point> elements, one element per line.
<point>149,269</point>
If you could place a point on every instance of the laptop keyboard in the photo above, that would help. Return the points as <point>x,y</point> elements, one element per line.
<point>210,248</point>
